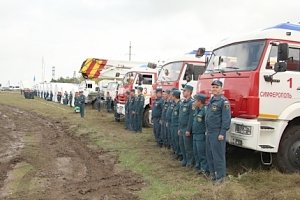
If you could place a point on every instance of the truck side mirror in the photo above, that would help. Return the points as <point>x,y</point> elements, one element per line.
<point>206,61</point>
<point>140,81</point>
<point>280,67</point>
<point>189,69</point>
<point>200,52</point>
<point>152,65</point>
<point>283,52</point>
<point>189,72</point>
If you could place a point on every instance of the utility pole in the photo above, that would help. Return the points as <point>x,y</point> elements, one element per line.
<point>130,51</point>
<point>53,72</point>
<point>43,70</point>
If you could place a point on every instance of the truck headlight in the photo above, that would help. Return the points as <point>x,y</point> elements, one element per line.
<point>242,129</point>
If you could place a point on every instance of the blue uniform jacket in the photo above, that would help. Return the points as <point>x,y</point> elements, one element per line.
<point>139,104</point>
<point>186,115</point>
<point>127,105</point>
<point>157,108</point>
<point>164,111</point>
<point>131,104</point>
<point>175,114</point>
<point>81,100</point>
<point>169,111</point>
<point>218,115</point>
<point>199,121</point>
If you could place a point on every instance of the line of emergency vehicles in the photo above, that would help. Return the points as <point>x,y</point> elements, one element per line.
<point>260,73</point>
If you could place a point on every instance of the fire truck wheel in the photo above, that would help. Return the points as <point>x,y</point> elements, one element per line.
<point>288,156</point>
<point>146,122</point>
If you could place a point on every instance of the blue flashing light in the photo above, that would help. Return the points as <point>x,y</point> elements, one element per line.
<point>207,53</point>
<point>286,26</point>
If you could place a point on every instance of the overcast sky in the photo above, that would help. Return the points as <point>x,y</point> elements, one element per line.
<point>66,32</point>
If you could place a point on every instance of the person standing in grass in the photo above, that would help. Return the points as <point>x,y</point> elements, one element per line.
<point>81,103</point>
<point>131,109</point>
<point>218,118</point>
<point>168,120</point>
<point>98,101</point>
<point>127,114</point>
<point>185,127</point>
<point>199,138</point>
<point>156,117</point>
<point>166,94</point>
<point>139,110</point>
<point>71,98</point>
<point>175,123</point>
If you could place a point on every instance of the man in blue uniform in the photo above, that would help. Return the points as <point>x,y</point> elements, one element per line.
<point>175,123</point>
<point>71,99</point>
<point>156,116</point>
<point>81,103</point>
<point>168,120</point>
<point>166,95</point>
<point>199,138</point>
<point>131,110</point>
<point>51,96</point>
<point>185,127</point>
<point>127,121</point>
<point>108,102</point>
<point>139,110</point>
<point>98,101</point>
<point>66,98</point>
<point>218,118</point>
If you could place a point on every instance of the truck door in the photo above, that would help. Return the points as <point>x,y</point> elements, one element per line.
<point>284,90</point>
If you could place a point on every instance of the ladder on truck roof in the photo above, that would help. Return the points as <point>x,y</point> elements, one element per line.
<point>93,68</point>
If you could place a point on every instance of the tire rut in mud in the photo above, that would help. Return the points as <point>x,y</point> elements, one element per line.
<point>57,165</point>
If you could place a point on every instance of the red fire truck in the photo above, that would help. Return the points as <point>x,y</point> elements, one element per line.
<point>261,78</point>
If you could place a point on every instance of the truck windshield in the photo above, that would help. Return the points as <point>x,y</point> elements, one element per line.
<point>236,57</point>
<point>170,71</point>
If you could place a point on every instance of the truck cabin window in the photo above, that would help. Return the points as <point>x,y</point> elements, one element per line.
<point>129,78</point>
<point>89,85</point>
<point>293,64</point>
<point>193,74</point>
<point>144,79</point>
<point>242,56</point>
<point>170,72</point>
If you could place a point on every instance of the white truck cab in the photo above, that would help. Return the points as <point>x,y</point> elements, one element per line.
<point>140,76</point>
<point>90,90</point>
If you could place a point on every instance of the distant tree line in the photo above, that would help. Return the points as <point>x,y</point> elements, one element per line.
<point>71,80</point>
<point>66,80</point>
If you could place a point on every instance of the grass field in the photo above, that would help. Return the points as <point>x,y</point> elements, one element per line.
<point>164,177</point>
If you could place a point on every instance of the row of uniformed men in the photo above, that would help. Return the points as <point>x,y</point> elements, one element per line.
<point>134,110</point>
<point>196,132</point>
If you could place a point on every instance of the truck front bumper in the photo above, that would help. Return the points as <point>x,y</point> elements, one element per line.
<point>121,109</point>
<point>259,135</point>
<point>150,117</point>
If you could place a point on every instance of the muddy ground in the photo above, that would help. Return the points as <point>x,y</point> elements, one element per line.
<point>40,159</point>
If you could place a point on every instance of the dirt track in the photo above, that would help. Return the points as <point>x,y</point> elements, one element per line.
<point>40,159</point>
